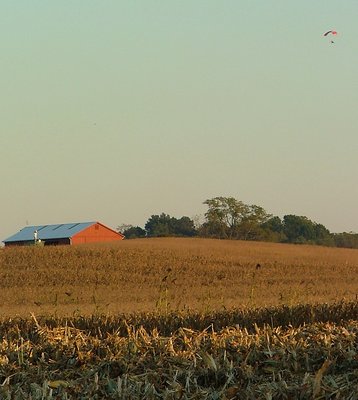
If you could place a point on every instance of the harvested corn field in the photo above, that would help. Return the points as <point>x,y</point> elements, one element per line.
<point>179,319</point>
<point>126,358</point>
<point>172,274</point>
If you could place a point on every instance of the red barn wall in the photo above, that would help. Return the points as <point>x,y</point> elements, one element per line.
<point>96,233</point>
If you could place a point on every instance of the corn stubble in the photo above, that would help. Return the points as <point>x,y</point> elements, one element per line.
<point>122,357</point>
<point>179,319</point>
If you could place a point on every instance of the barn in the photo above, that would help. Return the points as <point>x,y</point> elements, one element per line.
<point>63,234</point>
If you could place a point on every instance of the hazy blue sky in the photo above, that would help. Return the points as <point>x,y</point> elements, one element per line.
<point>117,110</point>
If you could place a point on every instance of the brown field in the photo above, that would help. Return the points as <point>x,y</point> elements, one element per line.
<point>94,359</point>
<point>218,326</point>
<point>172,274</point>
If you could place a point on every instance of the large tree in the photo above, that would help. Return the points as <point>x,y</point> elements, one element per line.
<point>165,225</point>
<point>224,216</point>
<point>273,230</point>
<point>230,218</point>
<point>251,227</point>
<point>183,226</point>
<point>134,232</point>
<point>158,225</point>
<point>300,229</point>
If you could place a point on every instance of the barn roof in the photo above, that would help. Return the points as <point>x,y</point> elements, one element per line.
<point>57,231</point>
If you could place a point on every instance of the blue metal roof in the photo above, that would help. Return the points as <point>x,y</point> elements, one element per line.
<point>59,231</point>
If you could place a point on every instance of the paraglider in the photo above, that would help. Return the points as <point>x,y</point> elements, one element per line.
<point>333,33</point>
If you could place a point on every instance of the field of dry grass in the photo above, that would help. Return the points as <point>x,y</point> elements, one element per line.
<point>172,274</point>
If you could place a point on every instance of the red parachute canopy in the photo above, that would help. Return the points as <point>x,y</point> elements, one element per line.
<point>330,32</point>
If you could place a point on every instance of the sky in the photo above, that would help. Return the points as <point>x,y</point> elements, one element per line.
<point>113,111</point>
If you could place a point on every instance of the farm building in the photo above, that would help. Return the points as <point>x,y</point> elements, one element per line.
<point>74,233</point>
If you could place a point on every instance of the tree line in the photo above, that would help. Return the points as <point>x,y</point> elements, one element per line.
<point>229,218</point>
